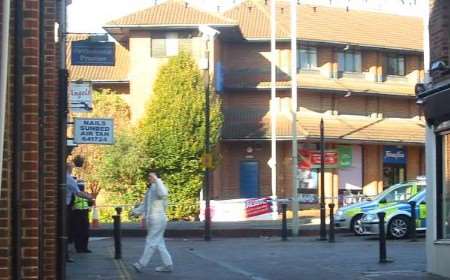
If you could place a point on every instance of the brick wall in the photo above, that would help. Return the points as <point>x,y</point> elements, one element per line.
<point>439,33</point>
<point>37,211</point>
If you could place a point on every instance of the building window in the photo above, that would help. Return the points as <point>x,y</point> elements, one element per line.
<point>167,46</point>
<point>396,65</point>
<point>158,47</point>
<point>349,61</point>
<point>445,198</point>
<point>307,58</point>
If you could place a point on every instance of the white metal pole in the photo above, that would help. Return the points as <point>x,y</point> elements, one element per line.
<point>426,41</point>
<point>273,108</point>
<point>295,202</point>
<point>4,78</point>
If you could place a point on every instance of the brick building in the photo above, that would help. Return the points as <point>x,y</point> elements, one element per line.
<point>434,95</point>
<point>358,76</point>
<point>29,220</point>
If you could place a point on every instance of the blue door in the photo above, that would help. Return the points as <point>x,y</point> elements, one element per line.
<point>249,179</point>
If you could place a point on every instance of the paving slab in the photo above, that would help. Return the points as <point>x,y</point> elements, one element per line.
<point>264,258</point>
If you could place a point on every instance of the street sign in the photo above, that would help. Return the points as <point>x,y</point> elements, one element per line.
<point>207,161</point>
<point>80,97</point>
<point>91,53</point>
<point>94,131</point>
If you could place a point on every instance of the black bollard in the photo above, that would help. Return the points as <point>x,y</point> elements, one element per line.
<point>117,234</point>
<point>331,232</point>
<point>413,221</point>
<point>284,231</point>
<point>382,238</point>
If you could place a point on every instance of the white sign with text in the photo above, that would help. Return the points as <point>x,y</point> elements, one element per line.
<point>94,131</point>
<point>80,97</point>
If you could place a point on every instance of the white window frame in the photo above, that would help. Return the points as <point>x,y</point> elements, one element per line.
<point>400,65</point>
<point>310,53</point>
<point>350,61</point>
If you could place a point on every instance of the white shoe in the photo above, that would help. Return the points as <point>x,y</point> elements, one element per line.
<point>164,268</point>
<point>137,267</point>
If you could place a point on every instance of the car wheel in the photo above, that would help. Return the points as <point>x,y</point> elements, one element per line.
<point>356,225</point>
<point>398,227</point>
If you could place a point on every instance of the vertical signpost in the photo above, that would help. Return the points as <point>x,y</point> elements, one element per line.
<point>323,231</point>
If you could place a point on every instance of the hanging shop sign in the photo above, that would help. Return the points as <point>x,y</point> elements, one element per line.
<point>80,97</point>
<point>345,156</point>
<point>92,53</point>
<point>340,158</point>
<point>311,159</point>
<point>94,131</point>
<point>394,155</point>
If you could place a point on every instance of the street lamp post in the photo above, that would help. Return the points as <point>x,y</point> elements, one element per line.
<point>323,230</point>
<point>208,35</point>
<point>295,183</point>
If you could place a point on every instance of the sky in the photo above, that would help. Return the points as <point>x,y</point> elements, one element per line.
<point>90,15</point>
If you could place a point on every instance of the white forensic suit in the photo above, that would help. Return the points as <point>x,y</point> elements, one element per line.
<point>153,208</point>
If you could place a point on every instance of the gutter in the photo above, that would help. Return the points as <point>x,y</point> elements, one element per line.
<point>16,203</point>
<point>334,43</point>
<point>41,139</point>
<point>62,143</point>
<point>4,78</point>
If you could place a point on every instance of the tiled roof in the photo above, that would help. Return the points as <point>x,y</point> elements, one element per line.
<point>119,72</point>
<point>248,124</point>
<point>319,82</point>
<point>171,13</point>
<point>325,24</point>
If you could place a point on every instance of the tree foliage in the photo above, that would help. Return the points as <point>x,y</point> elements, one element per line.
<point>172,131</point>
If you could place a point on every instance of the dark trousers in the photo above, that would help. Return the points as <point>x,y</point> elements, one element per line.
<point>80,229</point>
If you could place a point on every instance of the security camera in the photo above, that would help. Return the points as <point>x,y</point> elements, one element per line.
<point>439,65</point>
<point>207,31</point>
<point>420,88</point>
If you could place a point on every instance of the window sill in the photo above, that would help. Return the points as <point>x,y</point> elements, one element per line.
<point>358,75</point>
<point>396,78</point>
<point>308,71</point>
<point>442,242</point>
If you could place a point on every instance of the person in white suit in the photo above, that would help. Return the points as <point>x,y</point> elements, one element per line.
<point>153,208</point>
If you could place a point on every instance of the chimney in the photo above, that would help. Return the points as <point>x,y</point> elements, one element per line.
<point>315,9</point>
<point>186,4</point>
<point>218,8</point>
<point>249,9</point>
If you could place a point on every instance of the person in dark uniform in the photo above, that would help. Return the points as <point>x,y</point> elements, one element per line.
<point>80,222</point>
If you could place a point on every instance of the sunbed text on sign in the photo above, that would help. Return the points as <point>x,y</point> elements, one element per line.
<point>94,131</point>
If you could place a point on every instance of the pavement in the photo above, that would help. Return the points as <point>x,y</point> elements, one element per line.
<point>261,258</point>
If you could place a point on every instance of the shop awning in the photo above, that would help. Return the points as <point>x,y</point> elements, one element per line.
<point>436,104</point>
<point>255,125</point>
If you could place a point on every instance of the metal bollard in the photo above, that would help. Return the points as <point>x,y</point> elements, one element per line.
<point>413,221</point>
<point>382,238</point>
<point>331,232</point>
<point>284,231</point>
<point>117,234</point>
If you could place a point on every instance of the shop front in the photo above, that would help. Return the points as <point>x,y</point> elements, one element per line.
<point>437,111</point>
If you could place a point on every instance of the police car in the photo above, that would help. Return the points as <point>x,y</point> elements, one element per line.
<point>398,218</point>
<point>350,216</point>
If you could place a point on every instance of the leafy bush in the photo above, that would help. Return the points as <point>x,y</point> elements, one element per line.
<point>171,133</point>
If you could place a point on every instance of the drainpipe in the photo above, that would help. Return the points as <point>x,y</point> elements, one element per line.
<point>4,78</point>
<point>62,142</point>
<point>41,116</point>
<point>16,204</point>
